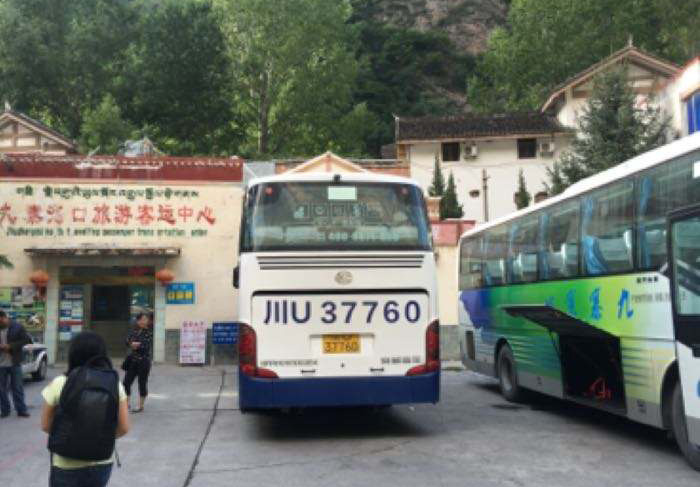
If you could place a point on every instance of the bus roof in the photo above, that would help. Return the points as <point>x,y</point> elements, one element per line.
<point>639,163</point>
<point>360,177</point>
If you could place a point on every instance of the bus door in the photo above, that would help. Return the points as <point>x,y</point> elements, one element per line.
<point>684,256</point>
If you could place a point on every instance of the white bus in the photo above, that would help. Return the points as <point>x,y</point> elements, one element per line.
<point>594,295</point>
<point>337,293</point>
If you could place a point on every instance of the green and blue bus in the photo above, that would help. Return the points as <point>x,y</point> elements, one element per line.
<point>593,295</point>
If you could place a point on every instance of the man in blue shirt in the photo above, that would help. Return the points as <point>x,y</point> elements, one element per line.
<point>13,338</point>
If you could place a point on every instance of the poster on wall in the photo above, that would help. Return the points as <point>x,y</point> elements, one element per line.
<point>27,305</point>
<point>193,342</point>
<point>179,293</point>
<point>70,311</point>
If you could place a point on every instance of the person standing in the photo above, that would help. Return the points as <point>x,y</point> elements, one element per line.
<point>85,411</point>
<point>140,343</point>
<point>13,338</point>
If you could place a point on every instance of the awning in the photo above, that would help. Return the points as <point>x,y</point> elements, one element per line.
<point>557,321</point>
<point>93,251</point>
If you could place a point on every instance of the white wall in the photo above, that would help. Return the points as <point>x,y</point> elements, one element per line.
<point>500,159</point>
<point>208,250</point>
<point>568,114</point>
<point>682,86</point>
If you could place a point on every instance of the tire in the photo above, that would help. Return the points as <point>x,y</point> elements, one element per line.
<point>508,375</point>
<point>680,431</point>
<point>40,373</point>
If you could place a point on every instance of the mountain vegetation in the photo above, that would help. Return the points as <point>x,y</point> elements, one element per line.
<point>296,77</point>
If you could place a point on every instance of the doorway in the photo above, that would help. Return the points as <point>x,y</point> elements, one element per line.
<point>111,297</point>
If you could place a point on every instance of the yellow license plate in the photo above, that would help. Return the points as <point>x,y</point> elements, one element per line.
<point>341,343</point>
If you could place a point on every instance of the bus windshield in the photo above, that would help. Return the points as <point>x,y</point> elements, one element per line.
<point>327,216</point>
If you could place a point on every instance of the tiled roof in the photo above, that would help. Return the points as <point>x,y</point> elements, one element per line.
<point>30,166</point>
<point>21,117</point>
<point>629,52</point>
<point>468,126</point>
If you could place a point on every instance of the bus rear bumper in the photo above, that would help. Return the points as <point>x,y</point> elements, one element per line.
<point>255,393</point>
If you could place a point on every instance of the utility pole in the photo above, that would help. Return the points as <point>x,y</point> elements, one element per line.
<point>485,189</point>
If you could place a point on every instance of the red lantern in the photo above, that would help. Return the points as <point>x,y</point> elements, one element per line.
<point>39,278</point>
<point>165,276</point>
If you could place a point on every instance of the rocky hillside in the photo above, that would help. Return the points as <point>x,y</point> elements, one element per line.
<point>467,22</point>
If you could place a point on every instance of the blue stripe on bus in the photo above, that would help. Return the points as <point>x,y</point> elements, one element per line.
<point>255,393</point>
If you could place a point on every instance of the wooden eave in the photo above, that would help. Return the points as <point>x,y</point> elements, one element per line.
<point>629,54</point>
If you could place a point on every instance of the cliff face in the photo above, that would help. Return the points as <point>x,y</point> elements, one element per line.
<point>467,22</point>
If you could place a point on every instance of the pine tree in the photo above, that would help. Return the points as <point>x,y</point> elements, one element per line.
<point>522,197</point>
<point>556,180</point>
<point>612,129</point>
<point>449,204</point>
<point>437,188</point>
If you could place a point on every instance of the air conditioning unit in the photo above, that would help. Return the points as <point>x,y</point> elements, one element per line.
<point>471,151</point>
<point>547,148</point>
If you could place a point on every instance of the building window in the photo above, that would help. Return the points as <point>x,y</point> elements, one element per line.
<point>450,151</point>
<point>693,108</point>
<point>527,148</point>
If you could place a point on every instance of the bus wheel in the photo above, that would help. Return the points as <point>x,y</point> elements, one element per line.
<point>680,431</point>
<point>508,376</point>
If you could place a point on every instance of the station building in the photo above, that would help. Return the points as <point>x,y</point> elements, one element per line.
<point>93,241</point>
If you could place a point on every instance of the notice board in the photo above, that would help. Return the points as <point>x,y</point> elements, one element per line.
<point>193,342</point>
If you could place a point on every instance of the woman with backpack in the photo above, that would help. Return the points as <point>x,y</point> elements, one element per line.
<point>85,411</point>
<point>138,363</point>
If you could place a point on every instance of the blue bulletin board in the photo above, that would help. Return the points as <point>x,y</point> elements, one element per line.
<point>179,293</point>
<point>224,333</point>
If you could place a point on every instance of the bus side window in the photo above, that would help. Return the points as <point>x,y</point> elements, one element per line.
<point>607,224</point>
<point>522,250</point>
<point>471,263</point>
<point>661,190</point>
<point>559,242</point>
<point>495,254</point>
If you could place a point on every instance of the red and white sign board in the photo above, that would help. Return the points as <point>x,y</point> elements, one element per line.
<point>193,342</point>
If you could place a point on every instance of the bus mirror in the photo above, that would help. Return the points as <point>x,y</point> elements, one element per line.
<point>236,276</point>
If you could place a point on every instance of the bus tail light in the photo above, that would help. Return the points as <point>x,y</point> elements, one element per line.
<point>432,351</point>
<point>248,354</point>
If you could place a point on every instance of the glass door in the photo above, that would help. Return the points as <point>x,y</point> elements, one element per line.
<point>684,253</point>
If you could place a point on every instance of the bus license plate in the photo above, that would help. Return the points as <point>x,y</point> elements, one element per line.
<point>341,343</point>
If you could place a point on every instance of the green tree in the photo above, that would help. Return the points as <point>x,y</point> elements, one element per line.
<point>405,72</point>
<point>177,80</point>
<point>449,204</point>
<point>613,128</point>
<point>547,41</point>
<point>522,196</point>
<point>294,72</point>
<point>5,262</point>
<point>556,184</point>
<point>437,187</point>
<point>59,57</point>
<point>103,128</point>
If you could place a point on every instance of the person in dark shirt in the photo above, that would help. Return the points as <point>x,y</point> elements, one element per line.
<point>140,343</point>
<point>13,338</point>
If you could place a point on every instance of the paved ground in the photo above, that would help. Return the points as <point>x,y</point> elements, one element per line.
<point>472,438</point>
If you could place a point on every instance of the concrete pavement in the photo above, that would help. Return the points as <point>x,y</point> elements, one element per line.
<point>473,437</point>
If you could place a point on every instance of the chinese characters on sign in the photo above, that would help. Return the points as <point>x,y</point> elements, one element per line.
<point>70,312</point>
<point>224,333</point>
<point>193,342</point>
<point>180,293</point>
<point>73,211</point>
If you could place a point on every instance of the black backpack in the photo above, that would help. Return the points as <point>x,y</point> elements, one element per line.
<point>84,426</point>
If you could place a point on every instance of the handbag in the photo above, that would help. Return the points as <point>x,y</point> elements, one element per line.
<point>127,362</point>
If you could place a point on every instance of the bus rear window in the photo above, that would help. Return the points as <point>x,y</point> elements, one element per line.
<point>326,216</point>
